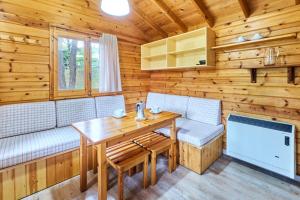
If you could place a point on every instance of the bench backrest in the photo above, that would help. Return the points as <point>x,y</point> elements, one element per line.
<point>106,105</point>
<point>177,104</point>
<point>198,109</point>
<point>18,119</point>
<point>155,100</point>
<point>75,110</point>
<point>204,110</point>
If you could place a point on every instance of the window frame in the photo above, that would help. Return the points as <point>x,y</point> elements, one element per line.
<point>88,91</point>
<point>60,94</point>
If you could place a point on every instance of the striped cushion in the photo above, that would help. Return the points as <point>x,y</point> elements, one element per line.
<point>75,110</point>
<point>204,110</point>
<point>176,104</point>
<point>194,132</point>
<point>25,118</point>
<point>155,100</point>
<point>106,105</point>
<point>23,148</point>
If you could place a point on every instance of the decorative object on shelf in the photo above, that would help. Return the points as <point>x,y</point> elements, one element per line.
<point>202,62</point>
<point>271,56</point>
<point>115,7</point>
<point>257,36</point>
<point>140,114</point>
<point>241,39</point>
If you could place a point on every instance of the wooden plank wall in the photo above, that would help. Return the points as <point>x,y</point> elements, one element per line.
<point>271,97</point>
<point>24,66</point>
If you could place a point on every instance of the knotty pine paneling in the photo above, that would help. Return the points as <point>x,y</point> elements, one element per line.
<point>24,63</point>
<point>271,97</point>
<point>25,73</point>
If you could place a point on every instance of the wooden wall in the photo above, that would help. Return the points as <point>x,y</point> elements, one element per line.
<point>25,69</point>
<point>271,97</point>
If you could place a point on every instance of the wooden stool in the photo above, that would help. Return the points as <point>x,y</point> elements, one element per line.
<point>123,157</point>
<point>157,144</point>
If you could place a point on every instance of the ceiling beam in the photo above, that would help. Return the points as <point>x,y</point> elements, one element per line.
<point>204,12</point>
<point>245,8</point>
<point>148,21</point>
<point>168,12</point>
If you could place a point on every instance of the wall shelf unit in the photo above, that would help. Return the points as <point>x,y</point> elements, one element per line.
<point>180,51</point>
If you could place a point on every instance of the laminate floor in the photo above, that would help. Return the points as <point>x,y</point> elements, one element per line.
<point>225,180</point>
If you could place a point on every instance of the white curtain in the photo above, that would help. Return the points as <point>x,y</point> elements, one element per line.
<point>109,66</point>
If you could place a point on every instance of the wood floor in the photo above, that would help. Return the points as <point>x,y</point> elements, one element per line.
<point>224,180</point>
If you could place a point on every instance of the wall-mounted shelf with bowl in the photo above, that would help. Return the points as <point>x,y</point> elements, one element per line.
<point>267,39</point>
<point>187,50</point>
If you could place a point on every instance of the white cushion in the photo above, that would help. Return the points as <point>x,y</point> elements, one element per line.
<point>106,105</point>
<point>194,132</point>
<point>176,104</point>
<point>155,100</point>
<point>75,110</point>
<point>204,110</point>
<point>25,118</point>
<point>23,148</point>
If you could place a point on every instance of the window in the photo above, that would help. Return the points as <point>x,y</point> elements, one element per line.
<point>70,59</point>
<point>95,64</point>
<point>71,65</point>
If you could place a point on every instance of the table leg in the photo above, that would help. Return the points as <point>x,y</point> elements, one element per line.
<point>174,138</point>
<point>102,171</point>
<point>83,163</point>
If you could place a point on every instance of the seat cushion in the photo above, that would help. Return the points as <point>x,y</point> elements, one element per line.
<point>23,148</point>
<point>194,132</point>
<point>75,110</point>
<point>106,105</point>
<point>204,110</point>
<point>25,118</point>
<point>155,100</point>
<point>176,104</point>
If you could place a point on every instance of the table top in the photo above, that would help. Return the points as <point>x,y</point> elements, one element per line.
<point>104,129</point>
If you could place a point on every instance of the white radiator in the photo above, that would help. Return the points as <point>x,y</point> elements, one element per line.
<point>267,144</point>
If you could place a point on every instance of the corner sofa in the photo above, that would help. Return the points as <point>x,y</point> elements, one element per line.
<point>38,143</point>
<point>199,130</point>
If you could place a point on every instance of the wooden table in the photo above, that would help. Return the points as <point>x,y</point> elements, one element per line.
<point>105,132</point>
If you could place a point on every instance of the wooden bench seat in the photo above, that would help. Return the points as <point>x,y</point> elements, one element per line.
<point>125,156</point>
<point>157,144</point>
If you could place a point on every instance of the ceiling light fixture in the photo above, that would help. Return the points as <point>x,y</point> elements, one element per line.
<point>115,7</point>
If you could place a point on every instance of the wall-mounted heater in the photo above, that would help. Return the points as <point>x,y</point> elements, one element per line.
<point>267,144</point>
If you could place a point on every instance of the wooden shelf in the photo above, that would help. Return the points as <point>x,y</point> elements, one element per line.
<point>180,51</point>
<point>185,51</point>
<point>154,56</point>
<point>286,36</point>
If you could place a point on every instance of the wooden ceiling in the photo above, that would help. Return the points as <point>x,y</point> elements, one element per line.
<point>149,19</point>
<point>176,16</point>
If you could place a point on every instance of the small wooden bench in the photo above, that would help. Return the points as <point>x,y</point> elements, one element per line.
<point>125,156</point>
<point>157,144</point>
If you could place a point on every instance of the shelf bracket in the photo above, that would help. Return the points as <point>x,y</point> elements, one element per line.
<point>291,75</point>
<point>253,75</point>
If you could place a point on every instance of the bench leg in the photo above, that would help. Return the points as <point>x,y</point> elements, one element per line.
<point>95,164</point>
<point>146,172</point>
<point>120,185</point>
<point>170,161</point>
<point>153,168</point>
<point>131,171</point>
